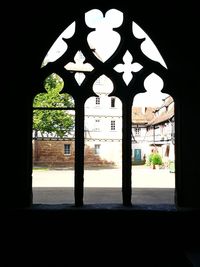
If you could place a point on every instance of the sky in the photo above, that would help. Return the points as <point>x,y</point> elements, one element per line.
<point>105,41</point>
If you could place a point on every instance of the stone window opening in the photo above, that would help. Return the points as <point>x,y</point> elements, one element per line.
<point>126,64</point>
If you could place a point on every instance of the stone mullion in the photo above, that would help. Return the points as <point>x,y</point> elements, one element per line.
<point>79,152</point>
<point>126,153</point>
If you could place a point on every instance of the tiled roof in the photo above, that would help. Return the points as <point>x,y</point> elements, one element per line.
<point>165,116</point>
<point>150,116</point>
<point>142,116</point>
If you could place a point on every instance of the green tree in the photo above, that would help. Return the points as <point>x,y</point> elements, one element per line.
<point>52,121</point>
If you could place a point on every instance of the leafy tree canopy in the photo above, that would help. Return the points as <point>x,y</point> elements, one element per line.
<point>50,121</point>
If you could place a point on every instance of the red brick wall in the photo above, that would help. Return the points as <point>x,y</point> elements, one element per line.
<point>50,153</point>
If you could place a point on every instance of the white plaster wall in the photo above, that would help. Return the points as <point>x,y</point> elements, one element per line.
<point>109,150</point>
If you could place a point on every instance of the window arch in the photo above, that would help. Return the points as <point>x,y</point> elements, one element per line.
<point>80,64</point>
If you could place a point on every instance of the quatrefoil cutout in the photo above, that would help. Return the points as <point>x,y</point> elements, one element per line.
<point>128,67</point>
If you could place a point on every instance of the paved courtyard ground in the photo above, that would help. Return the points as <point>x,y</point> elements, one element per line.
<point>142,176</point>
<point>103,185</point>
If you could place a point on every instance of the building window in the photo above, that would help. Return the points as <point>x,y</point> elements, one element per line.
<point>67,149</point>
<point>137,131</point>
<point>97,149</point>
<point>97,125</point>
<point>112,125</point>
<point>113,102</point>
<point>97,101</point>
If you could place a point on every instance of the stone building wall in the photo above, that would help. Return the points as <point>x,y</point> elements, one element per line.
<point>50,153</point>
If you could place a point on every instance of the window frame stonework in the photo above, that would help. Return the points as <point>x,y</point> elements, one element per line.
<point>125,92</point>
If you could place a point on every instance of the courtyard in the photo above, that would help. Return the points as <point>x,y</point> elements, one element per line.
<point>103,185</point>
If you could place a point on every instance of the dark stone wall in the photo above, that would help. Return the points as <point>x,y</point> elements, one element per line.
<point>28,30</point>
<point>172,27</point>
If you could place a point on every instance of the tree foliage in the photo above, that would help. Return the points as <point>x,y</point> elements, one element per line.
<point>50,121</point>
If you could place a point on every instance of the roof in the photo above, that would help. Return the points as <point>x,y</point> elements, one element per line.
<point>154,115</point>
<point>142,115</point>
<point>166,114</point>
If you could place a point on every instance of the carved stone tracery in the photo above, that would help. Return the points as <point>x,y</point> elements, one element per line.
<point>125,91</point>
